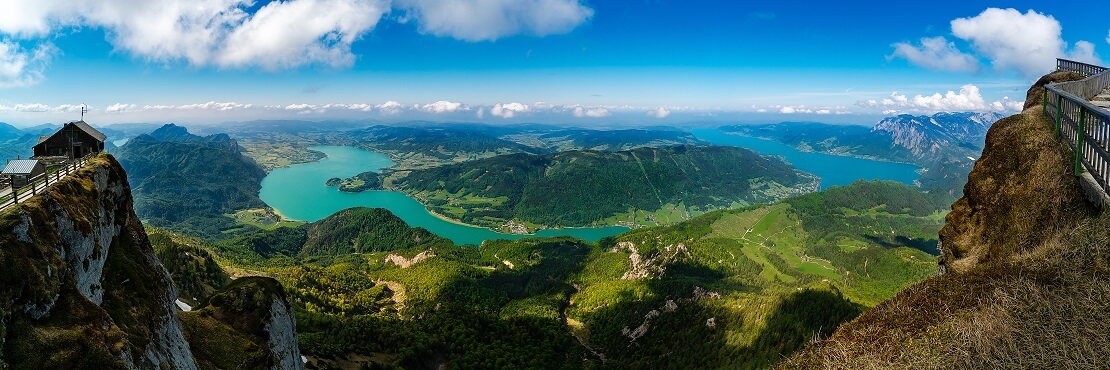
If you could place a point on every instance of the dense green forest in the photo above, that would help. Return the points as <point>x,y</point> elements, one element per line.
<point>187,183</point>
<point>739,288</point>
<point>578,188</point>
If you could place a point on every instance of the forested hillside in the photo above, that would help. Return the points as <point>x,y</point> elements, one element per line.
<point>739,288</point>
<point>187,183</point>
<point>581,188</point>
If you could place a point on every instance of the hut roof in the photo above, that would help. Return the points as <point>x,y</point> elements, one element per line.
<point>20,167</point>
<point>90,130</point>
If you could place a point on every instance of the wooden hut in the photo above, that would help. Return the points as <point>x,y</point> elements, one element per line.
<point>21,171</point>
<point>75,140</point>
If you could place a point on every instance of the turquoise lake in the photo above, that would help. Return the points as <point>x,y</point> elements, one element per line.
<point>833,170</point>
<point>298,192</point>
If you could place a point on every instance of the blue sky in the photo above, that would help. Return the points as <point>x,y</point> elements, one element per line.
<point>574,61</point>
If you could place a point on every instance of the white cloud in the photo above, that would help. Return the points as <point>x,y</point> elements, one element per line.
<point>22,68</point>
<point>761,110</point>
<point>121,108</point>
<point>358,107</point>
<point>597,112</point>
<point>281,34</point>
<point>390,107</point>
<point>662,112</point>
<point>294,33</point>
<point>40,108</point>
<point>300,107</point>
<point>1108,37</point>
<point>442,106</point>
<point>936,53</point>
<point>482,20</point>
<point>1028,43</point>
<point>823,111</point>
<point>969,99</point>
<point>211,105</point>
<point>509,110</point>
<point>1084,51</point>
<point>793,109</point>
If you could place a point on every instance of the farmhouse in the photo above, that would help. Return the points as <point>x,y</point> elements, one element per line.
<point>75,140</point>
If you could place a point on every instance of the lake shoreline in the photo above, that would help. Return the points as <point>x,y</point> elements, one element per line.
<point>296,193</point>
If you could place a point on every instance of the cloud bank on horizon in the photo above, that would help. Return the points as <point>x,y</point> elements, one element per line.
<point>276,37</point>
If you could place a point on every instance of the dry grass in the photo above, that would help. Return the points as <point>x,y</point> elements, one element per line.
<point>1019,194</point>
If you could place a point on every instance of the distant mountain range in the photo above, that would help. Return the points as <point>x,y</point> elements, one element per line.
<point>937,136</point>
<point>945,144</point>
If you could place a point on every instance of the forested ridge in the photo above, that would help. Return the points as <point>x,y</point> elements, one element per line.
<point>187,183</point>
<point>578,188</point>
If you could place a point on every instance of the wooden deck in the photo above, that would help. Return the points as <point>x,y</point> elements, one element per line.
<point>1102,100</point>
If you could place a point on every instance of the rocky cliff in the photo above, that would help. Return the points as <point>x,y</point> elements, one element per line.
<point>81,285</point>
<point>1026,280</point>
<point>246,325</point>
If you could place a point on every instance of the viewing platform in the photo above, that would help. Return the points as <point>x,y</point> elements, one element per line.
<point>1080,111</point>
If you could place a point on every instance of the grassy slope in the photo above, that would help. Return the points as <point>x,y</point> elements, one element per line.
<point>1028,271</point>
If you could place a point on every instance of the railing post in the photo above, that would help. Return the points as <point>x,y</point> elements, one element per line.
<point>1044,101</point>
<point>1059,113</point>
<point>1080,137</point>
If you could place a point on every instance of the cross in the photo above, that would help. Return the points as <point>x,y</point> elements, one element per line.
<point>84,109</point>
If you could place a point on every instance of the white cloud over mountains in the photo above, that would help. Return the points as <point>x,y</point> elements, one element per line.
<point>443,106</point>
<point>1028,43</point>
<point>969,99</point>
<point>278,35</point>
<point>597,112</point>
<point>661,112</point>
<point>40,108</point>
<point>509,110</point>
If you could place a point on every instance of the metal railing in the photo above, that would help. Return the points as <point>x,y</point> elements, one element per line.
<point>10,196</point>
<point>1084,126</point>
<point>1084,69</point>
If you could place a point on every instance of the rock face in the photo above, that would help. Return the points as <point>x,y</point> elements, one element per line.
<point>282,329</point>
<point>653,264</point>
<point>77,260</point>
<point>259,312</point>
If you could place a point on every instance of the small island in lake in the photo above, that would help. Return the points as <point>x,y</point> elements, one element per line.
<point>361,182</point>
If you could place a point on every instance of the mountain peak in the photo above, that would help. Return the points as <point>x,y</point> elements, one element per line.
<point>172,132</point>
